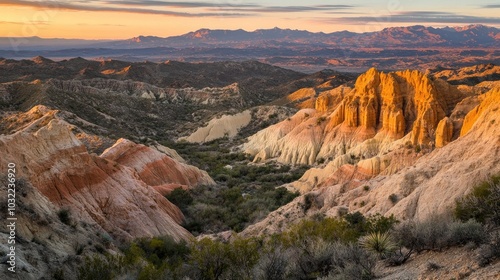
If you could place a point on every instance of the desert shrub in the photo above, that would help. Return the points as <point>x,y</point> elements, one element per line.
<point>350,261</point>
<point>64,216</point>
<point>158,250</point>
<point>210,259</point>
<point>393,198</point>
<point>481,204</point>
<point>309,201</point>
<point>151,272</point>
<point>329,229</point>
<point>374,223</point>
<point>437,233</point>
<point>425,235</point>
<point>220,208</point>
<point>378,243</point>
<point>181,198</point>
<point>320,120</point>
<point>132,254</point>
<point>490,251</point>
<point>243,256</point>
<point>273,265</point>
<point>463,233</point>
<point>431,266</point>
<point>398,256</point>
<point>101,268</point>
<point>312,258</point>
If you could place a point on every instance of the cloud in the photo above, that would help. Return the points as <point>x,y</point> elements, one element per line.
<point>25,23</point>
<point>496,6</point>
<point>84,7</point>
<point>284,9</point>
<point>418,17</point>
<point>157,7</point>
<point>179,4</point>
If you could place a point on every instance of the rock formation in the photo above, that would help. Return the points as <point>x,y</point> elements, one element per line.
<point>429,185</point>
<point>224,126</point>
<point>114,191</point>
<point>155,168</point>
<point>382,106</point>
<point>444,132</point>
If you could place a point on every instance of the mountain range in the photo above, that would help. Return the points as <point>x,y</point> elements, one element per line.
<point>394,48</point>
<point>411,36</point>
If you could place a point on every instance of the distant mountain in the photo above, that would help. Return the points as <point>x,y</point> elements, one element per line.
<point>412,36</point>
<point>37,43</point>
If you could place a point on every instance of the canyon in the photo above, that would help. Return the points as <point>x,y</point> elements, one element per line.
<point>95,140</point>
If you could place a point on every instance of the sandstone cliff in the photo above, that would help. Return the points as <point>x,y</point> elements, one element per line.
<point>381,113</point>
<point>429,185</point>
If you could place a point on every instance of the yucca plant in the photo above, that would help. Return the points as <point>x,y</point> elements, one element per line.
<point>378,243</point>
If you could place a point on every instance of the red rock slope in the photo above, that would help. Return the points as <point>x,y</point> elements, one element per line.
<point>113,191</point>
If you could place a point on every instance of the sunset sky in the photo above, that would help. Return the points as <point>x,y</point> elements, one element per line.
<point>120,19</point>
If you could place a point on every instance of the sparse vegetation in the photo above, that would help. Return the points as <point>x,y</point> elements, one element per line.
<point>482,204</point>
<point>219,208</point>
<point>64,216</point>
<point>244,194</point>
<point>393,198</point>
<point>320,120</point>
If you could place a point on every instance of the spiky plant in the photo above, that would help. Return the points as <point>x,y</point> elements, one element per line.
<point>378,243</point>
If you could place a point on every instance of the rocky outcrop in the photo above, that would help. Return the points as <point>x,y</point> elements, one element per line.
<point>114,191</point>
<point>206,96</point>
<point>224,126</point>
<point>488,100</point>
<point>444,132</point>
<point>430,185</point>
<point>382,106</point>
<point>155,168</point>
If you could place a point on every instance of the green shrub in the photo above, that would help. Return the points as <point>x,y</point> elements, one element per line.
<point>378,243</point>
<point>151,272</point>
<point>157,250</point>
<point>101,268</point>
<point>329,229</point>
<point>181,198</point>
<point>481,204</point>
<point>375,223</point>
<point>210,259</point>
<point>243,256</point>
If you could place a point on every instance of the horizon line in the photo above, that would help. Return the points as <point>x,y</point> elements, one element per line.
<point>280,28</point>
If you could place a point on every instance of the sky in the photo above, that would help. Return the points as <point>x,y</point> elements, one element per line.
<point>122,19</point>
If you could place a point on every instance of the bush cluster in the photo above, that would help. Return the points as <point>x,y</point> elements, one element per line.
<point>482,204</point>
<point>245,192</point>
<point>213,209</point>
